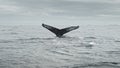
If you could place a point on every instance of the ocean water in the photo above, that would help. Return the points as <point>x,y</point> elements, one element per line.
<point>35,47</point>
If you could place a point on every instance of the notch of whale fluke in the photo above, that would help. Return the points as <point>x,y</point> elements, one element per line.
<point>59,32</point>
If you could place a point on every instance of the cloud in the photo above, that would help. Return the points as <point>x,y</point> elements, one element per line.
<point>63,7</point>
<point>9,8</point>
<point>60,9</point>
<point>85,8</point>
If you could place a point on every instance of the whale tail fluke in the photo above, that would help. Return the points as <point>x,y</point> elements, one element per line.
<point>59,32</point>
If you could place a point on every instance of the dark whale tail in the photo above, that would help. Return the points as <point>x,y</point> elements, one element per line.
<point>60,32</point>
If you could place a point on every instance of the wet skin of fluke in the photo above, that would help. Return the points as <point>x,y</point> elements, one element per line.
<point>60,32</point>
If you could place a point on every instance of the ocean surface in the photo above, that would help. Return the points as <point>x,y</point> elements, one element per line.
<point>35,47</point>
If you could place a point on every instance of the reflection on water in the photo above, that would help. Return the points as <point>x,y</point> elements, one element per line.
<point>98,65</point>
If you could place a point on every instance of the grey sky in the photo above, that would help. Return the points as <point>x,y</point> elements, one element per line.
<point>59,12</point>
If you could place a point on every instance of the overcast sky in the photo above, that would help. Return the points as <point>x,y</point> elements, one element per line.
<point>82,12</point>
